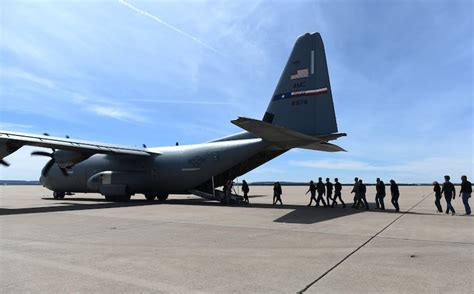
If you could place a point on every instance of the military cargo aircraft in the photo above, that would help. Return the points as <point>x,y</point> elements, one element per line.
<point>300,115</point>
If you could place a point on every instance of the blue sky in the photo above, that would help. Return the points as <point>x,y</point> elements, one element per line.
<point>157,72</point>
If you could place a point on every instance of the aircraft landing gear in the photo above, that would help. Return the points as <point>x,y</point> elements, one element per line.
<point>58,195</point>
<point>118,198</point>
<point>109,198</point>
<point>150,197</point>
<point>162,197</point>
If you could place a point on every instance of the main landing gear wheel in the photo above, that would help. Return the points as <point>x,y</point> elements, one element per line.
<point>109,198</point>
<point>150,197</point>
<point>162,197</point>
<point>118,198</point>
<point>123,198</point>
<point>58,195</point>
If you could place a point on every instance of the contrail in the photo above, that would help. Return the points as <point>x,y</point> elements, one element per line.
<point>202,102</point>
<point>169,26</point>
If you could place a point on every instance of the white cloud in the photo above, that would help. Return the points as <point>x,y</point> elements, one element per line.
<point>115,112</point>
<point>267,170</point>
<point>198,102</point>
<point>14,126</point>
<point>334,164</point>
<point>417,169</point>
<point>17,73</point>
<point>63,96</point>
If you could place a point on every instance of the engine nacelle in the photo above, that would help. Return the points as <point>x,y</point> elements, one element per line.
<point>119,182</point>
<point>65,158</point>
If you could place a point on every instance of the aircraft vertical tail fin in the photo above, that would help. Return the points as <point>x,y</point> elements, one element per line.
<point>302,100</point>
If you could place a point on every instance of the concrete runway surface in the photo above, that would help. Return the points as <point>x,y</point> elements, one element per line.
<point>190,245</point>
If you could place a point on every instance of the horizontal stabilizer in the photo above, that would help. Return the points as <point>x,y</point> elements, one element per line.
<point>286,138</point>
<point>331,137</point>
<point>328,147</point>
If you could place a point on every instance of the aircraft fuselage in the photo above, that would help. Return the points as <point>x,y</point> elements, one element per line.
<point>176,170</point>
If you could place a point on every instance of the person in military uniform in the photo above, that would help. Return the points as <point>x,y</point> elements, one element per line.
<point>379,194</point>
<point>437,191</point>
<point>329,187</point>
<point>355,190</point>
<point>465,193</point>
<point>312,189</point>
<point>449,194</point>
<point>395,194</point>
<point>362,189</point>
<point>337,193</point>
<point>277,193</point>
<point>321,191</point>
<point>246,190</point>
<point>228,190</point>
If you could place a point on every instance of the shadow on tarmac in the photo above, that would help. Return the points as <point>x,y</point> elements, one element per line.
<point>300,214</point>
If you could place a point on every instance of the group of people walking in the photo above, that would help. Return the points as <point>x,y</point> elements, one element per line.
<point>322,194</point>
<point>359,189</point>
<point>449,192</point>
<point>325,189</point>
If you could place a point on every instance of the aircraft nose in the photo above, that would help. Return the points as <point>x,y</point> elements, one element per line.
<point>44,180</point>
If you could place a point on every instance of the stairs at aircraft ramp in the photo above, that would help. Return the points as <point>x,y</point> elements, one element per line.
<point>219,196</point>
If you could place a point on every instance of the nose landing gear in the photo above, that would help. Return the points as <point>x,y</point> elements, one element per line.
<point>58,195</point>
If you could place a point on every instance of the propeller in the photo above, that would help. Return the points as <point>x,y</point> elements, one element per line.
<point>43,153</point>
<point>50,163</point>
<point>3,162</point>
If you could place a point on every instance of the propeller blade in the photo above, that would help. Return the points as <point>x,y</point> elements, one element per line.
<point>3,162</point>
<point>42,153</point>
<point>47,167</point>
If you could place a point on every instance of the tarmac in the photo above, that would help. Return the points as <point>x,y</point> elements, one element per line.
<point>190,245</point>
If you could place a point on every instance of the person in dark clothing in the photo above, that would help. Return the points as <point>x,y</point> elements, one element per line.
<point>337,193</point>
<point>449,193</point>
<point>228,191</point>
<point>437,191</point>
<point>380,194</point>
<point>312,189</point>
<point>321,190</point>
<point>465,193</point>
<point>277,193</point>
<point>329,187</point>
<point>395,194</point>
<point>362,189</point>
<point>246,190</point>
<point>355,191</point>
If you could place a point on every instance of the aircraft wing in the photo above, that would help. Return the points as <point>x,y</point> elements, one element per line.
<point>12,141</point>
<point>286,138</point>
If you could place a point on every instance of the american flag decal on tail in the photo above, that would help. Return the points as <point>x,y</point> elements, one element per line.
<point>300,73</point>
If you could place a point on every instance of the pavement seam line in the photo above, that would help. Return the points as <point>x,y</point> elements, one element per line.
<point>362,245</point>
<point>427,240</point>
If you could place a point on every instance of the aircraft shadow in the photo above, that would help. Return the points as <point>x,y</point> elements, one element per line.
<point>96,204</point>
<point>299,215</point>
<point>311,215</point>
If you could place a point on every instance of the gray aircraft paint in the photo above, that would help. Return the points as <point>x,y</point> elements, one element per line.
<point>302,102</point>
